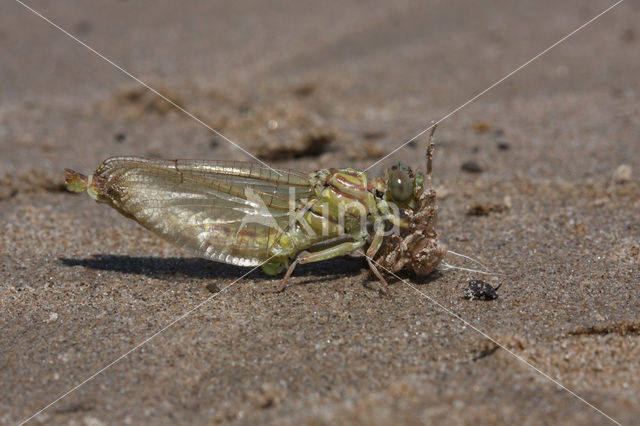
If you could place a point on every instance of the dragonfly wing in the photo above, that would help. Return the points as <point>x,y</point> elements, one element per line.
<point>231,212</point>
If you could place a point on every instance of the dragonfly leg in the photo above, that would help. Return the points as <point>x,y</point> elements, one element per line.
<point>283,284</point>
<point>376,272</point>
<point>317,256</point>
<point>376,243</point>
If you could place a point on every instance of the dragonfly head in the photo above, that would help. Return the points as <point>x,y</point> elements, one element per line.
<point>401,186</point>
<point>416,247</point>
<point>404,187</point>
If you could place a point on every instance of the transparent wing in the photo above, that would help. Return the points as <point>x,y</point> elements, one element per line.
<point>226,211</point>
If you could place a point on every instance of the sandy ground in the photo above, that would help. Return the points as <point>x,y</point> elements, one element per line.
<point>538,199</point>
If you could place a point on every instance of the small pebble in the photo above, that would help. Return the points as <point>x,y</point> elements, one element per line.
<point>120,137</point>
<point>92,421</point>
<point>481,127</point>
<point>480,290</point>
<point>504,146</point>
<point>622,174</point>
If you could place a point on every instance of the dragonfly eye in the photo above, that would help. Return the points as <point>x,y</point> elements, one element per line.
<point>400,186</point>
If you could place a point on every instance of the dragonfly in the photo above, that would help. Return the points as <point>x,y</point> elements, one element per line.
<point>249,214</point>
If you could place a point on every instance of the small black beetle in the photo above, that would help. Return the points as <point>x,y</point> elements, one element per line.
<point>477,289</point>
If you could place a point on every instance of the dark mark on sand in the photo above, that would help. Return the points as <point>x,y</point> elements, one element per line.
<point>375,134</point>
<point>490,350</point>
<point>31,181</point>
<point>74,408</point>
<point>120,137</point>
<point>471,167</point>
<point>309,146</point>
<point>484,208</point>
<point>621,328</point>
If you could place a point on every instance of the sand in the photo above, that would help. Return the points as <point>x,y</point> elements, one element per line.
<point>528,176</point>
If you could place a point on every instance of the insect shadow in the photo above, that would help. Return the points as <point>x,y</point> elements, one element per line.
<point>194,267</point>
<point>420,280</point>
